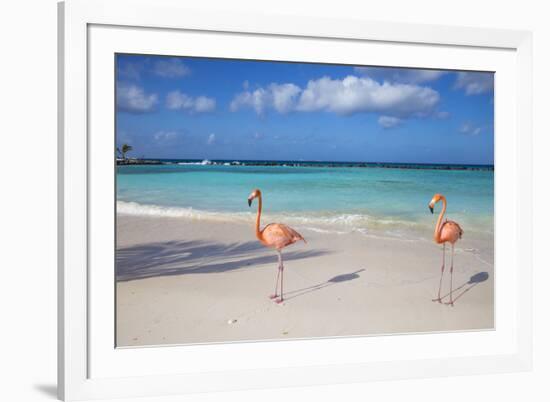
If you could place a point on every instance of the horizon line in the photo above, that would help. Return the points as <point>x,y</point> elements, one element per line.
<point>311,161</point>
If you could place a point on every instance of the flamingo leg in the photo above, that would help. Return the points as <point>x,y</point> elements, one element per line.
<point>281,270</point>
<point>274,295</point>
<point>451,301</point>
<point>441,277</point>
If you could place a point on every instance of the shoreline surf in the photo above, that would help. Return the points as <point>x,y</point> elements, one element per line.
<point>325,221</point>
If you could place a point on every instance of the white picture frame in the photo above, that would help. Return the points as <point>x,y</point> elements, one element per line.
<point>89,365</point>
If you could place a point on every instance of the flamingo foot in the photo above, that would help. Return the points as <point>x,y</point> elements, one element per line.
<point>451,303</point>
<point>437,300</point>
<point>279,301</point>
<point>274,296</point>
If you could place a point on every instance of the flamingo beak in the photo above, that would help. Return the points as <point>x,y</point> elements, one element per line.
<point>431,209</point>
<point>249,202</point>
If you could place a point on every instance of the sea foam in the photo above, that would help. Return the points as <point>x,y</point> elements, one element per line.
<point>314,221</point>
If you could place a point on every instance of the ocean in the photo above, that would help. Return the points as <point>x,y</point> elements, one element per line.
<point>370,198</point>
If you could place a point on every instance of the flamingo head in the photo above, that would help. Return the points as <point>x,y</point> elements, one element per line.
<point>254,194</point>
<point>436,198</point>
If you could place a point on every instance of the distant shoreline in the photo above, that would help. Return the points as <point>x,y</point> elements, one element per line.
<point>132,161</point>
<point>313,164</point>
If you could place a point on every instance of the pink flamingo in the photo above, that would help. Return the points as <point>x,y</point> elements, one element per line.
<point>446,232</point>
<point>274,235</point>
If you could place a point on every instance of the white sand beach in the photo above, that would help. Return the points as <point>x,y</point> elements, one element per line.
<point>189,281</point>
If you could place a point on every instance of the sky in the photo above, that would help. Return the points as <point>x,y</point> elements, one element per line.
<point>205,108</point>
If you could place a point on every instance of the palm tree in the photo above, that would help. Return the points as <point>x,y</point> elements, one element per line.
<point>125,149</point>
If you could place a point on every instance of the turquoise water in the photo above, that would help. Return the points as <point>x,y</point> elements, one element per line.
<point>324,198</point>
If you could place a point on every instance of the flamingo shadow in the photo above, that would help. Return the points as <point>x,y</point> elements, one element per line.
<point>472,282</point>
<point>332,281</point>
<point>195,257</point>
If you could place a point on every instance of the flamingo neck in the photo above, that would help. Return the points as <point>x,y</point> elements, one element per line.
<point>437,232</point>
<point>258,215</point>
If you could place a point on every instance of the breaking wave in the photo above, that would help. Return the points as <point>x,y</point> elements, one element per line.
<point>314,221</point>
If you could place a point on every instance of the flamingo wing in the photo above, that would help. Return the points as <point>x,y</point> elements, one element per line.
<point>279,235</point>
<point>453,228</point>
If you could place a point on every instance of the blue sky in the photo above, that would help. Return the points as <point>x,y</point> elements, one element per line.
<point>200,108</point>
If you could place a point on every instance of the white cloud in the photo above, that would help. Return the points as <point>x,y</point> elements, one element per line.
<point>170,68</point>
<point>257,100</point>
<point>204,104</point>
<point>122,137</point>
<point>211,139</point>
<point>130,71</point>
<point>353,95</point>
<point>401,75</point>
<point>341,96</point>
<point>284,96</point>
<point>443,115</point>
<point>474,83</point>
<point>165,136</point>
<point>133,99</point>
<point>470,129</point>
<point>166,67</point>
<point>281,97</point>
<point>177,100</point>
<point>389,121</point>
